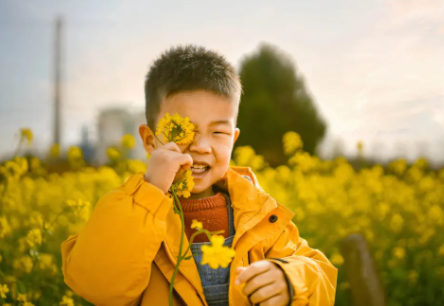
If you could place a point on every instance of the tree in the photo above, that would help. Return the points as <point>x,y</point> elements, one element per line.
<point>275,101</point>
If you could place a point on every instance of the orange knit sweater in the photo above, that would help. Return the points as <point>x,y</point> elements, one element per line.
<point>211,211</point>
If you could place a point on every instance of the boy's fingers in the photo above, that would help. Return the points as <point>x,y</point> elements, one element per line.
<point>255,268</point>
<point>257,282</point>
<point>171,146</point>
<point>186,161</point>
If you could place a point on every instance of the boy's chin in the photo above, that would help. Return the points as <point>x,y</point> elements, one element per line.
<point>199,190</point>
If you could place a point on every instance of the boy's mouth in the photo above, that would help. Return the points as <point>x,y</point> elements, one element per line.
<point>199,168</point>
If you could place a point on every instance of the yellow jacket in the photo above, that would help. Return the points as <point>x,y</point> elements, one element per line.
<point>125,253</point>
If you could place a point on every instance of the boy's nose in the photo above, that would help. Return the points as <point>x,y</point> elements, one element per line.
<point>200,144</point>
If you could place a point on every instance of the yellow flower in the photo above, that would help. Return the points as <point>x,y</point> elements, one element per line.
<point>113,153</point>
<point>337,259</point>
<point>128,141</point>
<point>216,254</point>
<point>74,153</point>
<point>21,297</point>
<point>34,237</point>
<point>15,168</point>
<point>55,150</point>
<point>175,128</point>
<point>67,301</point>
<point>3,290</point>
<point>396,223</point>
<point>28,304</point>
<point>398,166</point>
<point>5,229</point>
<point>23,263</point>
<point>441,250</point>
<point>399,252</point>
<point>243,155</point>
<point>79,208</point>
<point>196,224</point>
<point>26,133</point>
<point>292,141</point>
<point>46,262</point>
<point>185,186</point>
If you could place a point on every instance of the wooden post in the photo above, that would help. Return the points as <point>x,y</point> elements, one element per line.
<point>366,288</point>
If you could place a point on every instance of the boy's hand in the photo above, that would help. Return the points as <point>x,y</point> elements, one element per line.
<point>265,283</point>
<point>164,165</point>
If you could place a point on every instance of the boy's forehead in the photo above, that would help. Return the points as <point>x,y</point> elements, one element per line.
<point>202,107</point>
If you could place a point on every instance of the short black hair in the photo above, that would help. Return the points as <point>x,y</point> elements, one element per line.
<point>187,68</point>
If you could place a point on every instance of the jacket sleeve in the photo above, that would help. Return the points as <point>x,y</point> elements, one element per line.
<point>309,271</point>
<point>109,261</point>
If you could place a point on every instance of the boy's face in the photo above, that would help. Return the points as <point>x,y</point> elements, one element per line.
<point>215,134</point>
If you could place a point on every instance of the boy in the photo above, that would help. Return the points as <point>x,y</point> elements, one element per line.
<point>126,253</point>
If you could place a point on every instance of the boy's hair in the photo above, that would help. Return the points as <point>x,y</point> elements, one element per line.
<point>187,68</point>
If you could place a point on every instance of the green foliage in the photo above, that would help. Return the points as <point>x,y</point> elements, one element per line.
<point>275,101</point>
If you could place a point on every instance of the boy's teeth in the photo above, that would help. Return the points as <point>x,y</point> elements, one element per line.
<point>199,168</point>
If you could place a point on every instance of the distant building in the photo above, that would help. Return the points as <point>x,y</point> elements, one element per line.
<point>112,124</point>
<point>89,151</point>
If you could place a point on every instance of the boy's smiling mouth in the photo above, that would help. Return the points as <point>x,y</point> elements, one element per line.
<point>199,168</point>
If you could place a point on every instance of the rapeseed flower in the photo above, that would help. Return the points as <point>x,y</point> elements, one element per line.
<point>5,229</point>
<point>196,224</point>
<point>23,264</point>
<point>66,301</point>
<point>113,153</point>
<point>184,187</point>
<point>292,142</point>
<point>175,128</point>
<point>26,133</point>
<point>22,297</point>
<point>3,290</point>
<point>34,237</point>
<point>216,254</point>
<point>54,151</point>
<point>128,141</point>
<point>74,153</point>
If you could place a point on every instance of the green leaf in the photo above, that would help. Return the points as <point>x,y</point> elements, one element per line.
<point>187,258</point>
<point>21,287</point>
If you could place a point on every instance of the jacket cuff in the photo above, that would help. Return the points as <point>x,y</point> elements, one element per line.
<point>148,195</point>
<point>297,291</point>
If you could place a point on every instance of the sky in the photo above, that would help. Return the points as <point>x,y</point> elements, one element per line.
<point>374,68</point>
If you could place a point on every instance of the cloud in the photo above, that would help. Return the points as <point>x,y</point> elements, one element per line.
<point>409,10</point>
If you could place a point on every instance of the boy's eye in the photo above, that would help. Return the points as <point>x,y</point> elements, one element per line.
<point>220,133</point>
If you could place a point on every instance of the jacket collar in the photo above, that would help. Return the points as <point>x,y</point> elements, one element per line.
<point>250,203</point>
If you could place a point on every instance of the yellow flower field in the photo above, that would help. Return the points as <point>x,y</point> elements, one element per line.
<point>398,208</point>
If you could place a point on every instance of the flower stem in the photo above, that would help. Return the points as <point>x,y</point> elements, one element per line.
<point>179,257</point>
<point>199,232</point>
<point>158,139</point>
<point>17,149</point>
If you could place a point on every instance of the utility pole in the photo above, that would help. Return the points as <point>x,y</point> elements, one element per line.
<point>57,77</point>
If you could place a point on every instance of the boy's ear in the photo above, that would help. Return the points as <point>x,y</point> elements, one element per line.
<point>236,135</point>
<point>147,136</point>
